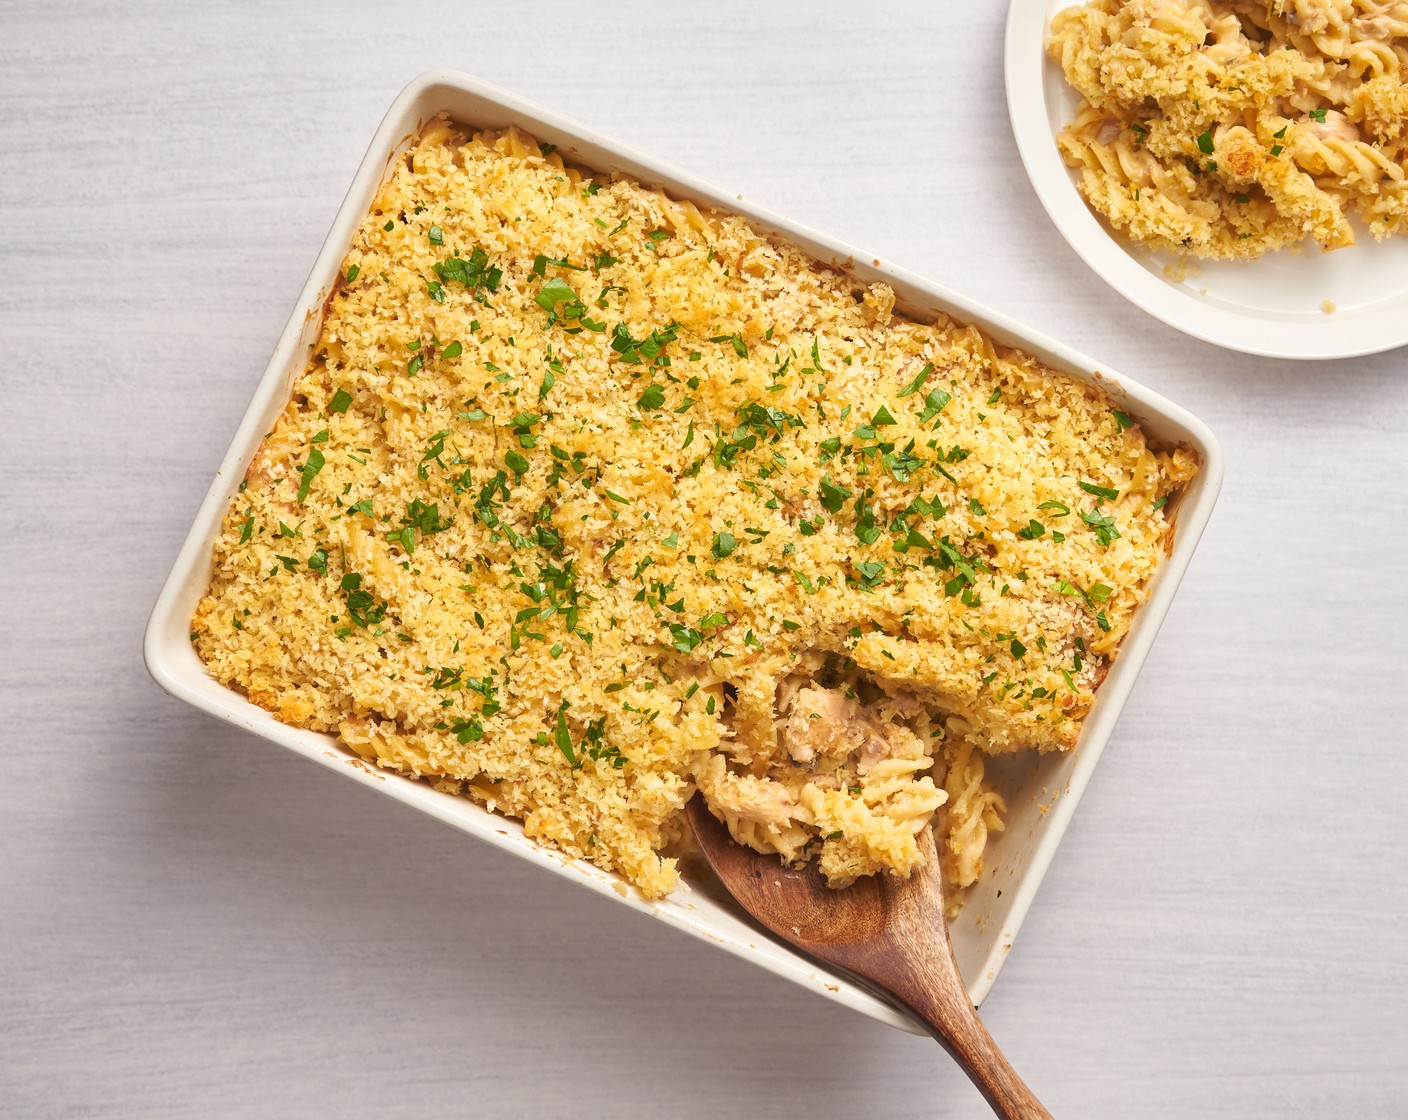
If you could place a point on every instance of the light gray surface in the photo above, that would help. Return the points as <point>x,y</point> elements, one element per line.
<point>195,923</point>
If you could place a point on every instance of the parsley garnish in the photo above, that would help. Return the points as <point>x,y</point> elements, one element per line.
<point>933,404</point>
<point>1103,524</point>
<point>919,379</point>
<point>833,497</point>
<point>739,346</point>
<point>871,572</point>
<point>685,637</point>
<point>310,471</point>
<point>1099,491</point>
<point>362,606</point>
<point>563,737</point>
<point>555,291</point>
<point>540,265</point>
<point>474,273</point>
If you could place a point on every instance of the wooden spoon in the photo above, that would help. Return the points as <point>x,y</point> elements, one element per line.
<point>890,932</point>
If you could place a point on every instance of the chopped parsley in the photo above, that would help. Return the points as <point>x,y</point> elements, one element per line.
<point>315,463</point>
<point>919,379</point>
<point>1099,491</point>
<point>474,273</point>
<point>833,497</point>
<point>1103,525</point>
<point>934,404</point>
<point>736,338</point>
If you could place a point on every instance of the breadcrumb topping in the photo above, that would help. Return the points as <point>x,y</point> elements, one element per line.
<point>578,475</point>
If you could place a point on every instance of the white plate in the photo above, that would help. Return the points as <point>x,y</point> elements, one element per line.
<point>1042,792</point>
<point>1271,306</point>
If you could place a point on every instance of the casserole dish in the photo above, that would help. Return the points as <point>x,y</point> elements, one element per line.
<point>984,931</point>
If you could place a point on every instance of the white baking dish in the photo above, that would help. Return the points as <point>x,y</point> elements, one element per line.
<point>1041,792</point>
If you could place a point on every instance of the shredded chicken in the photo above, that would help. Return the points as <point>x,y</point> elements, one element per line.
<point>1335,126</point>
<point>756,800</point>
<point>826,722</point>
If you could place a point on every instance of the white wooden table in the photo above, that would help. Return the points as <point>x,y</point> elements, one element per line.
<point>193,923</point>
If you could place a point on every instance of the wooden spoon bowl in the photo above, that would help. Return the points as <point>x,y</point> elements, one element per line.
<point>889,932</point>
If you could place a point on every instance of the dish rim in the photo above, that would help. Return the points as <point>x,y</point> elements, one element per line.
<point>174,667</point>
<point>1361,332</point>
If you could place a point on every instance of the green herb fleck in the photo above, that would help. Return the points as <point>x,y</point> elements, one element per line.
<point>1099,491</point>
<point>310,471</point>
<point>919,379</point>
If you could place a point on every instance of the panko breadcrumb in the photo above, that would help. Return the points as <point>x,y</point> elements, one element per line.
<point>587,499</point>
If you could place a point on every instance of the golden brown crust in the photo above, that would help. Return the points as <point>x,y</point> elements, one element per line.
<point>497,541</point>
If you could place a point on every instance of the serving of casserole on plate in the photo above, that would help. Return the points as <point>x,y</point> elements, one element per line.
<point>1171,141</point>
<point>575,484</point>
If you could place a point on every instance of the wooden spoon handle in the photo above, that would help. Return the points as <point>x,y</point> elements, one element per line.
<point>913,960</point>
<point>965,1037</point>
